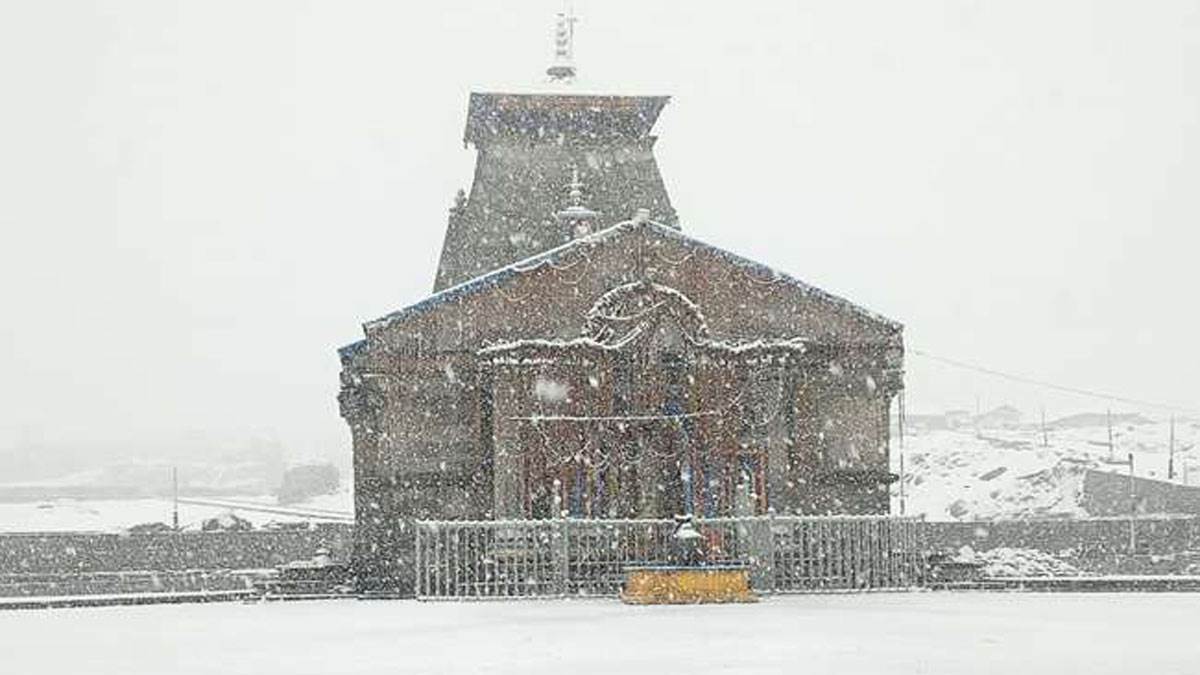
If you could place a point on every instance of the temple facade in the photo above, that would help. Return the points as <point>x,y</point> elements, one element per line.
<point>582,357</point>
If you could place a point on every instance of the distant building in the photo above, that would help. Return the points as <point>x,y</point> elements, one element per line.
<point>1107,493</point>
<point>581,356</point>
<point>1002,417</point>
<point>956,419</point>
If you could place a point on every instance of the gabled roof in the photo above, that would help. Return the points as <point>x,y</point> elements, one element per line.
<point>498,277</point>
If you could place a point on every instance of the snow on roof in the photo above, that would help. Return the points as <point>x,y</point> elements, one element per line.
<point>518,352</point>
<point>351,350</point>
<point>591,87</point>
<point>499,276</point>
<point>585,83</point>
<point>764,270</point>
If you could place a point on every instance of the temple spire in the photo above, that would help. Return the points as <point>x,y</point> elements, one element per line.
<point>563,68</point>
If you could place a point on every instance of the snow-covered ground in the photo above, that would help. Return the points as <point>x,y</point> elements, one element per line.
<point>899,633</point>
<point>115,515</point>
<point>953,474</point>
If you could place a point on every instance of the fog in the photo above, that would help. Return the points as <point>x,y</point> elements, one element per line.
<point>201,201</point>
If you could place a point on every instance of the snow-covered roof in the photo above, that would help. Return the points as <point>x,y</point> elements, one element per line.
<point>499,276</point>
<point>350,350</point>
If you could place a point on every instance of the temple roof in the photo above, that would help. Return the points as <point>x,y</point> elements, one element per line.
<point>491,114</point>
<point>603,237</point>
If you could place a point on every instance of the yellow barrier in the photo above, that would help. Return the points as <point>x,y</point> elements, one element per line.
<point>686,585</point>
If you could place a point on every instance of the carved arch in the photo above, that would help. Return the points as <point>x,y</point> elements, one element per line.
<point>626,312</point>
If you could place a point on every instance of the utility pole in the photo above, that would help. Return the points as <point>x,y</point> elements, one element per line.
<point>900,403</point>
<point>1045,437</point>
<point>1112,455</point>
<point>977,414</point>
<point>1132,510</point>
<point>175,491</point>
<point>1171,456</point>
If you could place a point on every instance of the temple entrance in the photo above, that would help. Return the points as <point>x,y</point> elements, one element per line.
<point>642,417</point>
<point>651,467</point>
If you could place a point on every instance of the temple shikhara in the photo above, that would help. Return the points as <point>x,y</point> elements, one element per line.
<point>582,356</point>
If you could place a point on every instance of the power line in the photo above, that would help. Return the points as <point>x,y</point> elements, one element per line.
<point>1049,385</point>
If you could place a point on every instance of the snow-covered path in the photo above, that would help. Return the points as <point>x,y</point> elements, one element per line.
<point>847,634</point>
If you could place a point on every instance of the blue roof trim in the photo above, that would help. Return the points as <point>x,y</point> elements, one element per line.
<point>351,350</point>
<point>497,277</point>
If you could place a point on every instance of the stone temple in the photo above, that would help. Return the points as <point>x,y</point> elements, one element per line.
<point>581,356</point>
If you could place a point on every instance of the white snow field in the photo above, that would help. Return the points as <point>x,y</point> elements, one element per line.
<point>116,515</point>
<point>895,633</point>
<point>995,473</point>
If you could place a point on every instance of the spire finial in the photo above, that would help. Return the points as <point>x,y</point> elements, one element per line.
<point>576,192</point>
<point>563,68</point>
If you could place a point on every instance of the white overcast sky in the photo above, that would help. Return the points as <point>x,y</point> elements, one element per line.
<point>201,201</point>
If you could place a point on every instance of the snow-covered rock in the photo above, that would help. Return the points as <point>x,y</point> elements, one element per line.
<point>1018,562</point>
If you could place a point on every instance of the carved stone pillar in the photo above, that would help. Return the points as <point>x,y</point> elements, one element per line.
<point>774,403</point>
<point>506,441</point>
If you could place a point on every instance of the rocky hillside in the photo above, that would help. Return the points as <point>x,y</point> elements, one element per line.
<point>960,470</point>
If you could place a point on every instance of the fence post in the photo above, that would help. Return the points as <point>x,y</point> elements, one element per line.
<point>770,542</point>
<point>417,586</point>
<point>921,548</point>
<point>558,539</point>
<point>760,545</point>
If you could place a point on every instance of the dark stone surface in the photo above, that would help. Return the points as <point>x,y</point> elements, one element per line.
<point>93,553</point>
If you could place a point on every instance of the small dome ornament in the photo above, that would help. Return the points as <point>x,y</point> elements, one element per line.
<point>460,204</point>
<point>576,215</point>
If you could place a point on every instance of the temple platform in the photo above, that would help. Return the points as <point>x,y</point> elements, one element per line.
<point>676,585</point>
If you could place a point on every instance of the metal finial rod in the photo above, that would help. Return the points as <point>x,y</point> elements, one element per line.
<point>563,68</point>
<point>576,193</point>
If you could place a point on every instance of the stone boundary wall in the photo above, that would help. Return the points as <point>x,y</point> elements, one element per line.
<point>1093,537</point>
<point>92,553</point>
<point>83,553</point>
<point>123,583</point>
